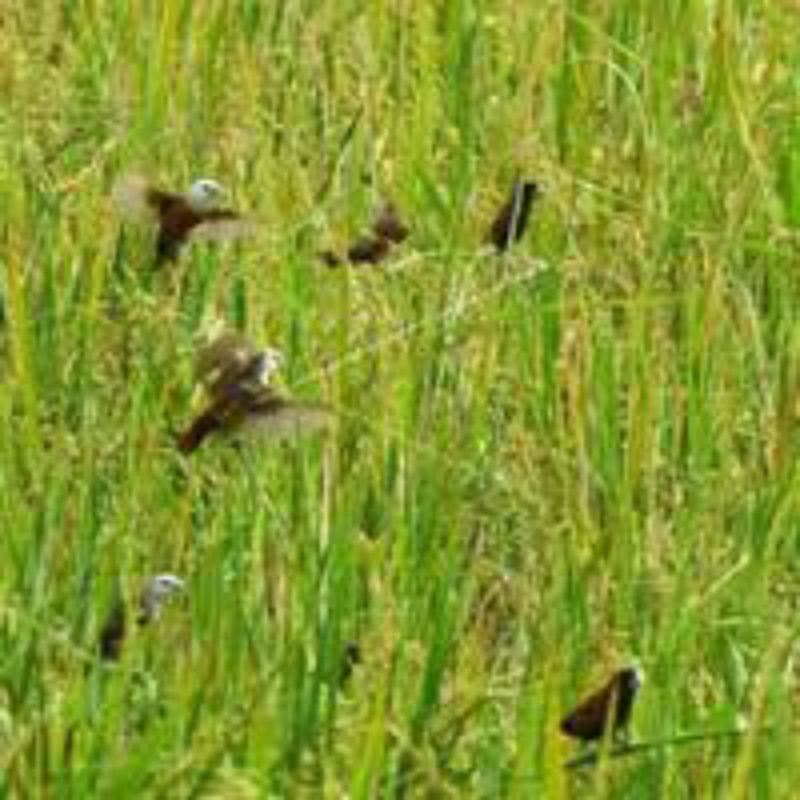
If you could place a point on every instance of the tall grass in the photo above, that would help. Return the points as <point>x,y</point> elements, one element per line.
<point>539,472</point>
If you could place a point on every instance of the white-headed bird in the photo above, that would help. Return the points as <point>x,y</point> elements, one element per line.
<point>180,217</point>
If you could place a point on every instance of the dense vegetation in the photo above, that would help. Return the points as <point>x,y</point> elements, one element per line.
<point>545,464</point>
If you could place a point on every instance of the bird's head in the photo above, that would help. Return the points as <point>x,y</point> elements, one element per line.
<point>205,194</point>
<point>155,592</point>
<point>633,678</point>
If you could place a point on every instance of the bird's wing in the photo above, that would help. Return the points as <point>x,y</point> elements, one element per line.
<point>276,417</point>
<point>249,410</point>
<point>222,224</point>
<point>588,720</point>
<point>135,197</point>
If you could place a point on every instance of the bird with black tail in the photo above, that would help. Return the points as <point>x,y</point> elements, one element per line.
<point>511,221</point>
<point>387,230</point>
<point>607,709</point>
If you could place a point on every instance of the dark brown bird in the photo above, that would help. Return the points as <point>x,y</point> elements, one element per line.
<point>235,377</point>
<point>180,217</point>
<point>152,597</point>
<point>387,230</point>
<point>511,221</point>
<point>609,707</point>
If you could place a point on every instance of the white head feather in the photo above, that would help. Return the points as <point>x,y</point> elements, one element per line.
<point>638,675</point>
<point>270,361</point>
<point>156,591</point>
<point>204,194</point>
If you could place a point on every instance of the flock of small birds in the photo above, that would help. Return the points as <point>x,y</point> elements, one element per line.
<point>235,376</point>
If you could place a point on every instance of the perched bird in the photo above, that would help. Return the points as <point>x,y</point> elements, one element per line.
<point>153,595</point>
<point>511,221</point>
<point>180,217</point>
<point>235,376</point>
<point>609,707</point>
<point>387,230</point>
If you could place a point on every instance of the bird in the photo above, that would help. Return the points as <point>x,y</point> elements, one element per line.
<point>180,217</point>
<point>607,708</point>
<point>386,230</point>
<point>235,376</point>
<point>511,221</point>
<point>152,596</point>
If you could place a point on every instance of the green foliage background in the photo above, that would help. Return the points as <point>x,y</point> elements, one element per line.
<point>541,469</point>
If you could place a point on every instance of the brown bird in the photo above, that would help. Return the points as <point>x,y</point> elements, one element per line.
<point>180,217</point>
<point>241,400</point>
<point>155,592</point>
<point>387,230</point>
<point>511,221</point>
<point>609,707</point>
